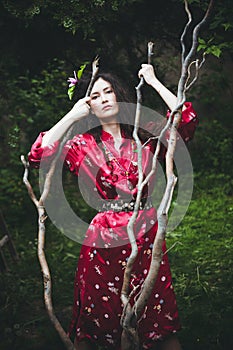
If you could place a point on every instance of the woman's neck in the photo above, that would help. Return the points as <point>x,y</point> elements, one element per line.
<point>114,129</point>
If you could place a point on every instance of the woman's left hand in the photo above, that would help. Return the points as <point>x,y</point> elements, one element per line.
<point>147,72</point>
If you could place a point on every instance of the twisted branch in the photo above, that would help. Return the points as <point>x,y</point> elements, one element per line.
<point>130,229</point>
<point>40,251</point>
<point>39,203</point>
<point>131,314</point>
<point>198,66</point>
<point>186,60</point>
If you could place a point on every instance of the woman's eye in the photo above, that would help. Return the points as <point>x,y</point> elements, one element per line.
<point>94,97</point>
<point>109,91</point>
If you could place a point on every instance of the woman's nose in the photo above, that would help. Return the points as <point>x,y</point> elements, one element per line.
<point>104,98</point>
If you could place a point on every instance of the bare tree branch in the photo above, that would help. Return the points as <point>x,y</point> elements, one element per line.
<point>198,66</point>
<point>186,61</point>
<point>95,68</point>
<point>183,48</point>
<point>132,314</point>
<point>41,223</point>
<point>41,255</point>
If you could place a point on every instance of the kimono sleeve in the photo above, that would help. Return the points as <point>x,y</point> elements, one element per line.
<point>75,151</point>
<point>189,122</point>
<point>37,152</point>
<point>72,154</point>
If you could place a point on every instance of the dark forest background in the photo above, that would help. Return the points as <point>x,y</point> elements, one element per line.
<point>41,43</point>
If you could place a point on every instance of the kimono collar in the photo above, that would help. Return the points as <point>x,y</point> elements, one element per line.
<point>106,136</point>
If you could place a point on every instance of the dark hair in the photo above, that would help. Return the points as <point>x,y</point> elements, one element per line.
<point>122,94</point>
<point>126,108</point>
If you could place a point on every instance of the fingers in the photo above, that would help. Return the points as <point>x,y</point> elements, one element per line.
<point>145,69</point>
<point>144,65</point>
<point>148,73</point>
<point>81,107</point>
<point>87,99</point>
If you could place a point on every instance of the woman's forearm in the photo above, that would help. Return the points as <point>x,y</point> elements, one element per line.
<point>169,98</point>
<point>79,111</point>
<point>57,131</point>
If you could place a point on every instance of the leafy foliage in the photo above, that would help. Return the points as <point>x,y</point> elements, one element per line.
<point>202,266</point>
<point>209,48</point>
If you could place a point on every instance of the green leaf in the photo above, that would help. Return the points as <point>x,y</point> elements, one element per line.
<point>227,26</point>
<point>201,41</point>
<point>71,92</point>
<point>216,51</point>
<point>80,71</point>
<point>201,47</point>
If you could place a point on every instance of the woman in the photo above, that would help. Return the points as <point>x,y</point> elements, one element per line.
<point>106,157</point>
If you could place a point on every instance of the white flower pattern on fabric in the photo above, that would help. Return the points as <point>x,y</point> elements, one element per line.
<point>84,156</point>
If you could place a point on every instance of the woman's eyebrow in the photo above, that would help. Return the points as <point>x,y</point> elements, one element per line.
<point>104,89</point>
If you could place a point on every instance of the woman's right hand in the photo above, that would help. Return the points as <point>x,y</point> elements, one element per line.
<point>81,109</point>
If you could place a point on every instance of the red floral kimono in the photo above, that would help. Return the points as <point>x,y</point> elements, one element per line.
<point>112,177</point>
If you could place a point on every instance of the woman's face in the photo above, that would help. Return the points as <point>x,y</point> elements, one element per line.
<point>103,100</point>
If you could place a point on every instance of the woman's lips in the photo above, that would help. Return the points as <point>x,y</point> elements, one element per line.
<point>106,107</point>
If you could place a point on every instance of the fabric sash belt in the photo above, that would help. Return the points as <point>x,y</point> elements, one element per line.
<point>124,205</point>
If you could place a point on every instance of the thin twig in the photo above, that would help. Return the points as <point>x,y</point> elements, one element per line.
<point>185,31</point>
<point>198,66</point>
<point>95,68</point>
<point>192,51</point>
<point>26,181</point>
